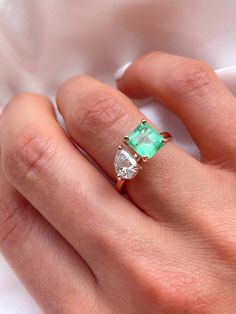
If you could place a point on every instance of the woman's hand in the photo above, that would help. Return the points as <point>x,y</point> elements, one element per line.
<point>81,247</point>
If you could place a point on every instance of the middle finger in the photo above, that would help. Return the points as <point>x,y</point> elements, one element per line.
<point>61,184</point>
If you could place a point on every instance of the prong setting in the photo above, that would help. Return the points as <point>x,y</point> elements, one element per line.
<point>125,139</point>
<point>119,177</point>
<point>145,158</point>
<point>165,140</point>
<point>143,121</point>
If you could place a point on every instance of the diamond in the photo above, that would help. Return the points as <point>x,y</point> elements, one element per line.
<point>145,140</point>
<point>126,166</point>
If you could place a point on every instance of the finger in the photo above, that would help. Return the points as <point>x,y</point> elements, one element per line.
<point>70,193</point>
<point>43,260</point>
<point>191,90</point>
<point>98,117</point>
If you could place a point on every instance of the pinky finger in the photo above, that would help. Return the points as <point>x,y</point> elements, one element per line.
<point>51,270</point>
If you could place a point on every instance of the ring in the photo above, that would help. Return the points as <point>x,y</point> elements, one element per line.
<point>140,145</point>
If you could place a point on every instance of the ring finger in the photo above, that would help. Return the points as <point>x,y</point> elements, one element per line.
<point>97,117</point>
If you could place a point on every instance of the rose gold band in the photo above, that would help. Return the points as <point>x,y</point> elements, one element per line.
<point>120,184</point>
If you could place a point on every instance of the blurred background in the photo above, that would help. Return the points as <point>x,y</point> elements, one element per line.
<point>42,43</point>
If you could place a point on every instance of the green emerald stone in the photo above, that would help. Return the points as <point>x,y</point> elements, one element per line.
<point>145,140</point>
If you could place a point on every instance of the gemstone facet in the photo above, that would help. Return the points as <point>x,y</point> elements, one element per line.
<point>145,140</point>
<point>126,166</point>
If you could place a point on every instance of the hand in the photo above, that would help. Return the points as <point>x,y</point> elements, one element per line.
<point>81,247</point>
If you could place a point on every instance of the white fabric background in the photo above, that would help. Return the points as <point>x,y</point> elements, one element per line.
<point>44,42</point>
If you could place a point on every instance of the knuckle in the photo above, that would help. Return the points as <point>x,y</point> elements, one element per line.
<point>22,97</point>
<point>100,111</point>
<point>191,77</point>
<point>27,98</point>
<point>70,303</point>
<point>29,156</point>
<point>225,245</point>
<point>34,98</point>
<point>182,291</point>
<point>171,289</point>
<point>13,216</point>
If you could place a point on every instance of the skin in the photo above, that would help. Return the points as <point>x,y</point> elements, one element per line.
<point>81,247</point>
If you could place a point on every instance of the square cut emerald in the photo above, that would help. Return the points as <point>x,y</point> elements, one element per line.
<point>145,140</point>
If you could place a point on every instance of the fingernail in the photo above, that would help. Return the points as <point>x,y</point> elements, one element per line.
<point>121,71</point>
